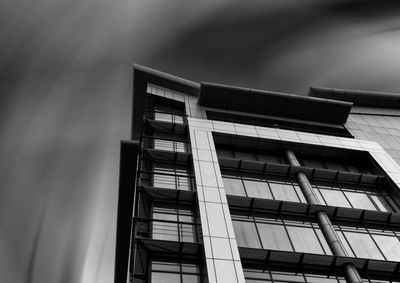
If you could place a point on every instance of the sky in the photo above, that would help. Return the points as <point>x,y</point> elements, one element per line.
<point>66,86</point>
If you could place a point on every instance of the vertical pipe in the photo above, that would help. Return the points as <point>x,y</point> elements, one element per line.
<point>324,222</point>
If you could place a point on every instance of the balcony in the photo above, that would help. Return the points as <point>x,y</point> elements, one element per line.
<point>163,180</point>
<point>166,230</point>
<point>165,121</point>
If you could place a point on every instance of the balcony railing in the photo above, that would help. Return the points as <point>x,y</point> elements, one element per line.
<point>167,180</point>
<point>168,144</point>
<point>166,230</point>
<point>164,116</point>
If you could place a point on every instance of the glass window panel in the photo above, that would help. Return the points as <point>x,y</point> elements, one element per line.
<point>390,246</point>
<point>246,234</point>
<point>274,237</point>
<point>381,203</point>
<point>283,191</point>
<point>162,277</point>
<point>233,186</point>
<point>165,266</point>
<point>257,189</point>
<point>319,196</point>
<point>363,245</point>
<point>304,240</point>
<point>187,233</point>
<point>300,194</point>
<point>165,231</point>
<point>334,198</point>
<point>321,280</point>
<point>287,277</point>
<point>360,201</point>
<point>164,181</point>
<point>163,117</point>
<point>324,244</point>
<point>188,278</point>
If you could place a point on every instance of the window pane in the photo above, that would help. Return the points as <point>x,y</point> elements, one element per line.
<point>165,231</point>
<point>304,240</point>
<point>246,234</point>
<point>334,198</point>
<point>381,203</point>
<point>390,246</point>
<point>283,192</point>
<point>164,181</point>
<point>257,189</point>
<point>161,277</point>
<point>363,245</point>
<point>186,278</point>
<point>360,201</point>
<point>233,186</point>
<point>274,237</point>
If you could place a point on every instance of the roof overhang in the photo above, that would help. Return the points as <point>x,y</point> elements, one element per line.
<point>274,103</point>
<point>359,98</point>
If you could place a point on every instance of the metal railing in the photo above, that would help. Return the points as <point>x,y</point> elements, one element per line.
<point>166,180</point>
<point>158,229</point>
<point>165,116</point>
<point>168,144</point>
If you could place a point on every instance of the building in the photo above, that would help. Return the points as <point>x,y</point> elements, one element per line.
<point>227,184</point>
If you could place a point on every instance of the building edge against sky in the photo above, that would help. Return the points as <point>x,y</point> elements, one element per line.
<point>228,184</point>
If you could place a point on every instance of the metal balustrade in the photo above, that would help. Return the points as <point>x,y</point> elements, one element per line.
<point>166,180</point>
<point>168,144</point>
<point>166,230</point>
<point>165,116</point>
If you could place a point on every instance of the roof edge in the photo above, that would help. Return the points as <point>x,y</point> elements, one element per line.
<point>358,97</point>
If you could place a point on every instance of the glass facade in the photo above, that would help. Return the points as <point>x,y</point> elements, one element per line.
<point>376,242</point>
<point>278,233</point>
<point>379,125</point>
<point>170,176</point>
<point>267,187</point>
<point>354,196</point>
<point>170,272</point>
<point>173,224</point>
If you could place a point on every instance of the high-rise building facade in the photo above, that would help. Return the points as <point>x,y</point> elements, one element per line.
<point>226,184</point>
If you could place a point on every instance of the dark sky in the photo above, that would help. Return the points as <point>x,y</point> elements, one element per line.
<point>66,82</point>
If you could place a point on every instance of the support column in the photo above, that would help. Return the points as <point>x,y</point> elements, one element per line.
<point>220,247</point>
<point>324,222</point>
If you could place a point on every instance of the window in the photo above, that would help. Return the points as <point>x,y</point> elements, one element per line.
<point>268,187</point>
<point>259,276</point>
<point>173,224</point>
<point>168,113</point>
<point>370,242</point>
<point>279,234</point>
<point>170,176</point>
<point>168,142</point>
<point>264,276</point>
<point>355,196</point>
<point>170,272</point>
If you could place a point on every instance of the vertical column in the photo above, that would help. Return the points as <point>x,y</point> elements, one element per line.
<point>324,222</point>
<point>221,252</point>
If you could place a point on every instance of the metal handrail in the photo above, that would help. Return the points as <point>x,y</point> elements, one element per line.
<point>165,116</point>
<point>166,180</point>
<point>160,229</point>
